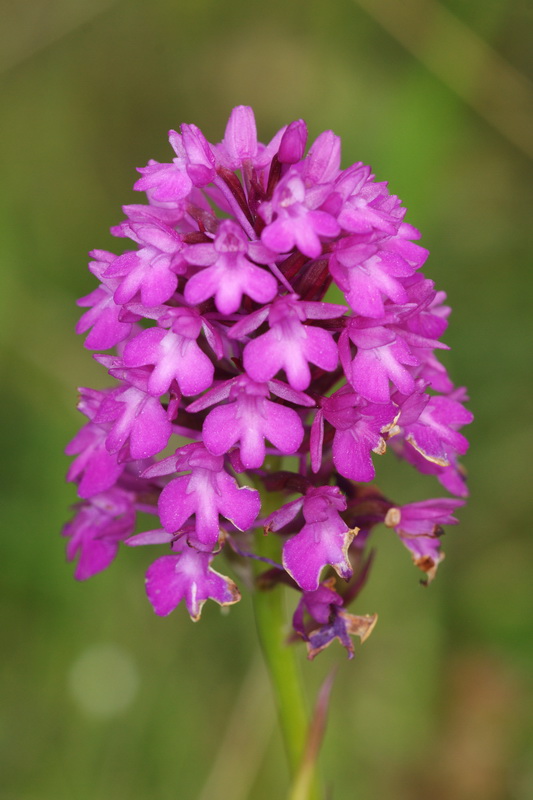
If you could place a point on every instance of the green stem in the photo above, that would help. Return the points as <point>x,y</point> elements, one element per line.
<point>280,659</point>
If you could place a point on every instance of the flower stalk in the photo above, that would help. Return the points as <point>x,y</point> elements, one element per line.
<point>280,659</point>
<point>285,676</point>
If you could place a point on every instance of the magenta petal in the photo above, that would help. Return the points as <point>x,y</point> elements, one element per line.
<point>279,236</point>
<point>144,348</point>
<point>159,284</point>
<point>252,452</point>
<point>250,420</point>
<point>351,453</point>
<point>434,434</point>
<point>260,285</point>
<point>415,519</point>
<point>290,345</point>
<point>196,371</point>
<point>176,505</point>
<point>426,553</point>
<point>138,417</point>
<point>206,492</point>
<point>297,369</point>
<point>100,473</point>
<point>306,237</point>
<point>187,577</point>
<point>97,529</point>
<point>364,295</point>
<point>240,137</point>
<point>320,348</point>
<point>103,318</point>
<point>201,255</point>
<point>292,145</point>
<point>207,507</point>
<point>282,516</point>
<point>229,291</point>
<point>263,358</point>
<point>201,161</point>
<point>202,286</point>
<point>239,504</point>
<point>164,182</point>
<point>323,160</point>
<point>369,378</point>
<point>316,441</point>
<point>324,224</point>
<point>317,545</point>
<point>151,430</point>
<point>429,444</point>
<point>283,427</point>
<point>94,559</point>
<point>230,275</point>
<point>220,430</point>
<point>174,357</point>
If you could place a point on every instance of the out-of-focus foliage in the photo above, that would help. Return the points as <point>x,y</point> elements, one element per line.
<point>100,699</point>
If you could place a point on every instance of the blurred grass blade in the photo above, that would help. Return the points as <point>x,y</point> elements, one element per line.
<point>35,31</point>
<point>231,775</point>
<point>481,77</point>
<point>303,783</point>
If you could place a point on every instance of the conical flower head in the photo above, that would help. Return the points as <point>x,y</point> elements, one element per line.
<point>276,403</point>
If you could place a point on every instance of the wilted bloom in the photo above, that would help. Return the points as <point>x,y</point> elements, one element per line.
<point>276,403</point>
<point>419,527</point>
<point>324,606</point>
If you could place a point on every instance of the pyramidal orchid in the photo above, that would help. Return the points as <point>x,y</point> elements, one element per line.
<point>250,406</point>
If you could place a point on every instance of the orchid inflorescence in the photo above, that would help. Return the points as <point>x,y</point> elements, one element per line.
<point>275,398</point>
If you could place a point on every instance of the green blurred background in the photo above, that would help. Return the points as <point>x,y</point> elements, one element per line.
<point>101,699</point>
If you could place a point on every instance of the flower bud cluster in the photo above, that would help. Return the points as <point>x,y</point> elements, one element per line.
<point>255,391</point>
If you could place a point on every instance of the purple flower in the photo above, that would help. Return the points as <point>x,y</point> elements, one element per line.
<point>229,273</point>
<point>434,434</point>
<point>95,468</point>
<point>359,428</point>
<point>199,155</point>
<point>325,607</point>
<point>139,419</point>
<point>251,418</point>
<point>174,354</point>
<point>430,316</point>
<point>187,576</point>
<point>207,491</point>
<point>382,356</point>
<point>289,344</point>
<point>341,626</point>
<point>153,269</point>
<point>323,540</point>
<point>109,322</point>
<point>319,604</point>
<point>166,182</point>
<point>452,477</point>
<point>95,532</point>
<point>369,209</point>
<point>292,145</point>
<point>418,526</point>
<point>367,274</point>
<point>323,160</point>
<point>240,138</point>
<point>298,222</point>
